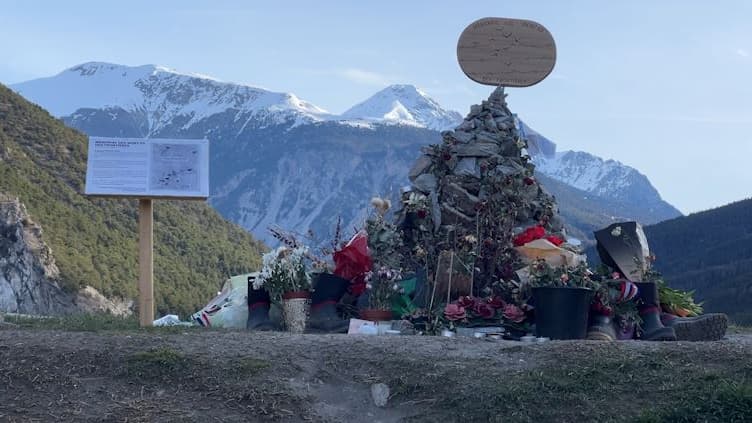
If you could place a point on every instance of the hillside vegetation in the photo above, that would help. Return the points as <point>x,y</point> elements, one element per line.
<point>94,241</point>
<point>709,252</point>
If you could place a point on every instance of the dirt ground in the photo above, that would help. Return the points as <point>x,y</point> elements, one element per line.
<point>197,375</point>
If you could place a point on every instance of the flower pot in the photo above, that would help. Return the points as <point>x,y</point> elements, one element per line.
<point>295,308</point>
<point>374,315</point>
<point>562,312</point>
<point>296,294</point>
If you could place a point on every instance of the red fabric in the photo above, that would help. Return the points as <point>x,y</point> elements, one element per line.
<point>553,239</point>
<point>353,261</point>
<point>530,234</point>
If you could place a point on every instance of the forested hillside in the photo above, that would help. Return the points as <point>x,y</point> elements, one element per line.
<point>95,240</point>
<point>710,252</point>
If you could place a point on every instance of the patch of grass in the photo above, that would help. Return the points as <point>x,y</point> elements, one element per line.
<point>248,366</point>
<point>739,329</point>
<point>90,323</point>
<point>727,403</point>
<point>603,383</point>
<point>156,363</point>
<point>75,322</point>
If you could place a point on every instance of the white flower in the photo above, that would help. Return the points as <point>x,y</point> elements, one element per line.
<point>381,205</point>
<point>616,231</point>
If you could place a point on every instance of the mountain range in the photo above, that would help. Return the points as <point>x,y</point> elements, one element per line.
<point>279,160</point>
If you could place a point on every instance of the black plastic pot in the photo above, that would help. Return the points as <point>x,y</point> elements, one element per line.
<point>561,312</point>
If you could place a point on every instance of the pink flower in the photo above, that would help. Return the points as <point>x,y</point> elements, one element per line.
<point>466,301</point>
<point>564,278</point>
<point>484,310</point>
<point>616,275</point>
<point>513,313</point>
<point>454,312</point>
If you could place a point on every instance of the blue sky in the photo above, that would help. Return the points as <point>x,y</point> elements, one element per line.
<point>664,86</point>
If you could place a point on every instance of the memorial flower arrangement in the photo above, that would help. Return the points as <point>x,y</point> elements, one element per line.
<point>475,311</point>
<point>543,274</point>
<point>384,244</point>
<point>674,301</point>
<point>383,285</point>
<point>284,270</point>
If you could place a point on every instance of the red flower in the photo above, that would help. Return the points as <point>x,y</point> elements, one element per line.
<point>496,302</point>
<point>528,180</point>
<point>446,156</point>
<point>466,301</point>
<point>454,312</point>
<point>422,213</point>
<point>484,310</point>
<point>513,313</point>
<point>553,239</point>
<point>528,235</point>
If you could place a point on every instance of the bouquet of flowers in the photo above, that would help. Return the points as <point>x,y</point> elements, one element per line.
<point>284,270</point>
<point>579,276</point>
<point>383,285</point>
<point>473,311</point>
<point>384,243</point>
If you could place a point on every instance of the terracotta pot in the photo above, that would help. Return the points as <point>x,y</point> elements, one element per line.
<point>296,294</point>
<point>374,315</point>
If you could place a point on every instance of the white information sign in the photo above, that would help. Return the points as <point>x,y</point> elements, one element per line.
<point>148,167</point>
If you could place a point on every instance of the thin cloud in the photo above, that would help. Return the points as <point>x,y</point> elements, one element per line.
<point>364,77</point>
<point>742,52</point>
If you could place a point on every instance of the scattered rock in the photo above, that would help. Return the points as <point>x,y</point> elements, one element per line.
<point>380,394</point>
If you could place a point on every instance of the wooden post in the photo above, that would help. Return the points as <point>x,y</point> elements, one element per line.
<point>145,262</point>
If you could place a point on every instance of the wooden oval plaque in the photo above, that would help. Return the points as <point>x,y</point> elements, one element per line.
<point>508,52</point>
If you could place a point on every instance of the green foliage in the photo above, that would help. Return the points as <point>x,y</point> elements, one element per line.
<point>94,241</point>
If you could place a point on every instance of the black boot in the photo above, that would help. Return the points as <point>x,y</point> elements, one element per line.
<point>706,327</point>
<point>601,328</point>
<point>258,308</point>
<point>327,291</point>
<point>649,308</point>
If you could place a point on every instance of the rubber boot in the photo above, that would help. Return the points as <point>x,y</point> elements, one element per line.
<point>601,328</point>
<point>327,292</point>
<point>650,311</point>
<point>258,309</point>
<point>707,327</point>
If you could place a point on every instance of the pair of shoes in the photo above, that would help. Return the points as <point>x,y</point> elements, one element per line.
<point>649,307</point>
<point>706,327</point>
<point>327,292</point>
<point>601,328</point>
<point>328,289</point>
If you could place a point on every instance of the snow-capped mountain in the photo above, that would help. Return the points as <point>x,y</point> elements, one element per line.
<point>162,96</point>
<point>606,179</point>
<point>404,104</point>
<point>276,159</point>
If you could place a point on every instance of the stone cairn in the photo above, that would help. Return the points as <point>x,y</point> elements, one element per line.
<point>470,196</point>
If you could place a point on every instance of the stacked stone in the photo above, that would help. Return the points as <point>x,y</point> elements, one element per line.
<point>479,182</point>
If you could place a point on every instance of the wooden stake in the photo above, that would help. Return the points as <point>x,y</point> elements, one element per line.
<point>145,262</point>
